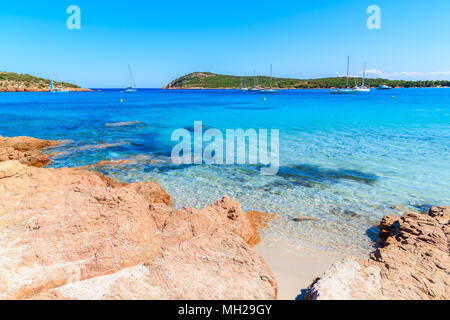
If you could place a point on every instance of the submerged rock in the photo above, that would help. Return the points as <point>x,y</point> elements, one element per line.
<point>123,124</point>
<point>76,234</point>
<point>300,219</point>
<point>411,262</point>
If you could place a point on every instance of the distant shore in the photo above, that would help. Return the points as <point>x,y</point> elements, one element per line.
<point>209,80</point>
<point>276,88</point>
<point>21,89</point>
<point>15,82</point>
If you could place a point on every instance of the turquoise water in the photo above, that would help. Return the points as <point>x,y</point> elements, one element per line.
<point>345,160</point>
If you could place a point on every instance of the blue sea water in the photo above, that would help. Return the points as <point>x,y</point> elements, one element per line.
<point>344,160</point>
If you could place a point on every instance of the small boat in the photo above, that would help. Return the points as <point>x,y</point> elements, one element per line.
<point>270,90</point>
<point>57,90</point>
<point>132,87</point>
<point>384,87</point>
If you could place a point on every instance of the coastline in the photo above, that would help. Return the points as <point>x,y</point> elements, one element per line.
<point>325,88</point>
<point>21,89</point>
<point>71,233</point>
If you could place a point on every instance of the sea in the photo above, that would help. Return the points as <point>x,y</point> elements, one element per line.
<point>345,160</point>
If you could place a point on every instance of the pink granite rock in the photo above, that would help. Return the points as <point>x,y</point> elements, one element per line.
<point>411,262</point>
<point>72,233</point>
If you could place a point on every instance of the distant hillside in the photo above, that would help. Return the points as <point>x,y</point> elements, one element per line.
<point>208,80</point>
<point>14,82</point>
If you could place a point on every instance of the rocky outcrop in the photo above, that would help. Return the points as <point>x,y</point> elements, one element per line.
<point>75,234</point>
<point>26,150</point>
<point>411,262</point>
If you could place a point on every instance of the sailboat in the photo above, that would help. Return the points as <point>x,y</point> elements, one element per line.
<point>243,85</point>
<point>363,88</point>
<point>57,90</point>
<point>255,88</point>
<point>270,90</point>
<point>346,90</point>
<point>132,87</point>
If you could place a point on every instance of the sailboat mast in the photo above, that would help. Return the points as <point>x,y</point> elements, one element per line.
<point>348,66</point>
<point>364,74</point>
<point>270,76</point>
<point>132,83</point>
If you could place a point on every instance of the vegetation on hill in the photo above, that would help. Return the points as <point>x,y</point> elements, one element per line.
<point>208,80</point>
<point>29,81</point>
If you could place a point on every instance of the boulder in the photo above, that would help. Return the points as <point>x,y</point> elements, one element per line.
<point>76,234</point>
<point>26,143</point>
<point>411,262</point>
<point>25,150</point>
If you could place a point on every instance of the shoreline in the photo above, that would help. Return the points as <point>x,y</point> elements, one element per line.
<point>295,268</point>
<point>127,241</point>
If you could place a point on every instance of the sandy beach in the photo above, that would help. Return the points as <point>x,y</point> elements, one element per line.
<point>295,268</point>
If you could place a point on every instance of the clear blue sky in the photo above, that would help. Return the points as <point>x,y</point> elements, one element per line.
<point>166,39</point>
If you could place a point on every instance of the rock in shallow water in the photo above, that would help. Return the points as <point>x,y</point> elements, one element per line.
<point>411,262</point>
<point>25,150</point>
<point>71,233</point>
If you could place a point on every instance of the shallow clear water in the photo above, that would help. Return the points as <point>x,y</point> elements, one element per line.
<point>345,160</point>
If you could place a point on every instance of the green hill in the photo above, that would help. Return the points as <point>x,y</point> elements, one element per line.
<point>208,80</point>
<point>10,81</point>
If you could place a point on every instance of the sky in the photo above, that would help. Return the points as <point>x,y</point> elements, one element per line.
<point>163,40</point>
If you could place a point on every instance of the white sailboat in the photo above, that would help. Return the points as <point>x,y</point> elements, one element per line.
<point>255,88</point>
<point>58,90</point>
<point>346,90</point>
<point>243,84</point>
<point>270,90</point>
<point>363,88</point>
<point>132,87</point>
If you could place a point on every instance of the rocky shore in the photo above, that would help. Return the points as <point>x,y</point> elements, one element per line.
<point>71,233</point>
<point>76,234</point>
<point>411,262</point>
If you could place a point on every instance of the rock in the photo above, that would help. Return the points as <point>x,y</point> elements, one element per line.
<point>299,219</point>
<point>183,224</point>
<point>411,262</point>
<point>76,234</point>
<point>151,191</point>
<point>32,158</point>
<point>350,213</point>
<point>123,124</point>
<point>209,266</point>
<point>26,143</point>
<point>25,150</point>
<point>59,226</point>
<point>258,220</point>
